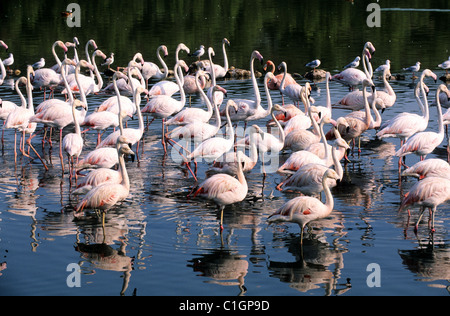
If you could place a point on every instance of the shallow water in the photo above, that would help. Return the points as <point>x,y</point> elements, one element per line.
<point>159,242</point>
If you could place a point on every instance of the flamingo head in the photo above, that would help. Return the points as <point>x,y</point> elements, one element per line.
<point>443,88</point>
<point>99,53</point>
<point>165,51</point>
<point>233,104</point>
<point>85,64</point>
<point>369,46</point>
<point>182,46</point>
<point>331,174</point>
<point>225,41</point>
<point>429,73</point>
<point>219,88</point>
<point>78,103</point>
<point>277,107</point>
<point>62,45</point>
<point>282,66</point>
<point>268,64</point>
<point>211,52</point>
<point>270,76</point>
<point>258,56</point>
<point>92,43</point>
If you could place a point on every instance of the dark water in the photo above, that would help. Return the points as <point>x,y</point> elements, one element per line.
<point>158,242</point>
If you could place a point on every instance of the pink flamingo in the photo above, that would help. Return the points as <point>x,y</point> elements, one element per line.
<point>169,87</point>
<point>6,107</point>
<point>107,195</point>
<point>355,101</point>
<point>301,139</point>
<point>224,189</point>
<point>218,70</point>
<point>163,106</point>
<point>294,90</point>
<point>3,71</point>
<point>60,115</point>
<point>219,96</point>
<point>308,178</point>
<point>304,209</point>
<point>247,107</point>
<point>151,70</point>
<point>274,84</point>
<point>424,143</point>
<point>433,167</point>
<point>47,77</point>
<point>427,193</point>
<point>190,115</point>
<point>73,142</point>
<point>352,76</point>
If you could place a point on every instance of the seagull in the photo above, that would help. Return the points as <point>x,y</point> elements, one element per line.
<point>313,64</point>
<point>354,63</point>
<point>109,60</point>
<point>198,53</point>
<point>9,61</point>
<point>382,67</point>
<point>40,64</point>
<point>414,68</point>
<point>445,65</point>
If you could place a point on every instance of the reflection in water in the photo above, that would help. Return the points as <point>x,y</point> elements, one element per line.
<point>224,267</point>
<point>317,265</point>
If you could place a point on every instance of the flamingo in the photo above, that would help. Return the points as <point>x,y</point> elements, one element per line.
<point>294,90</point>
<point>97,177</point>
<point>202,130</point>
<point>357,125</point>
<point>425,142</point>
<point>151,70</point>
<point>107,195</point>
<point>133,135</point>
<point>219,96</point>
<point>406,124</point>
<point>247,107</point>
<point>429,192</point>
<point>352,76</point>
<point>274,84</point>
<point>301,139</point>
<point>169,87</point>
<point>218,70</point>
<point>6,107</point>
<point>3,71</point>
<point>375,104</point>
<point>224,189</point>
<point>304,209</point>
<point>308,178</point>
<point>355,101</point>
<point>73,142</point>
<point>60,115</point>
<point>163,106</point>
<point>215,147</point>
<point>354,63</point>
<point>228,163</point>
<point>433,167</point>
<point>47,77</point>
<point>102,120</point>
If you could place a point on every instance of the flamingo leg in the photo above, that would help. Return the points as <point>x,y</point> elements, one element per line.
<point>60,150</point>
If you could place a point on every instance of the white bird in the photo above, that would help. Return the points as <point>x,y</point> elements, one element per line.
<point>413,68</point>
<point>152,70</point>
<point>387,66</point>
<point>304,209</point>
<point>313,64</point>
<point>445,65</point>
<point>40,64</point>
<point>199,52</point>
<point>109,61</point>
<point>9,61</point>
<point>354,63</point>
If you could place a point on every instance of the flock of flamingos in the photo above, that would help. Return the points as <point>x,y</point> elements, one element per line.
<point>313,167</point>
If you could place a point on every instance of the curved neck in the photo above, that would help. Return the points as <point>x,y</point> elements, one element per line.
<point>123,170</point>
<point>203,95</point>
<point>213,73</point>
<point>163,63</point>
<point>439,111</point>
<point>97,73</point>
<point>66,84</point>
<point>22,98</point>
<point>229,124</point>
<point>329,201</point>
<point>58,61</point>
<point>425,109</point>
<point>216,111</point>
<point>116,89</point>
<point>178,73</point>
<point>316,127</point>
<point>240,172</point>
<point>75,121</point>
<point>255,84</point>
<point>283,80</point>
<point>368,118</point>
<point>137,100</point>
<point>328,92</point>
<point>80,86</point>
<point>365,59</point>
<point>225,57</point>
<point>269,98</point>
<point>387,86</point>
<point>324,141</point>
<point>377,113</point>
<point>280,128</point>
<point>88,57</point>
<point>337,164</point>
<point>30,93</point>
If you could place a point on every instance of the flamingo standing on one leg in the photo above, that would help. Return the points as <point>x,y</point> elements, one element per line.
<point>224,189</point>
<point>304,209</point>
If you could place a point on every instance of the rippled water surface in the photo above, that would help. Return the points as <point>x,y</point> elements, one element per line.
<point>158,241</point>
